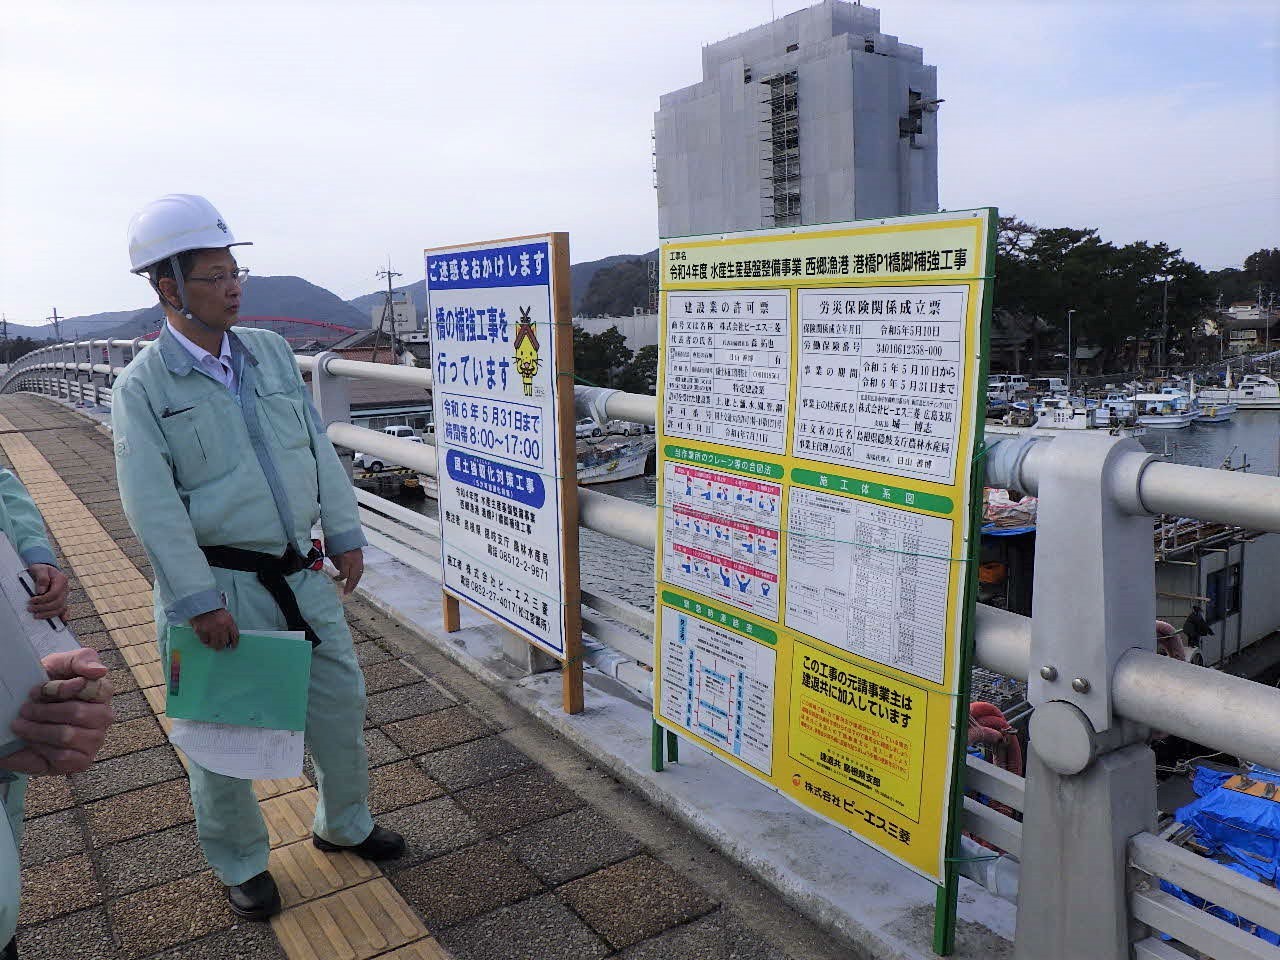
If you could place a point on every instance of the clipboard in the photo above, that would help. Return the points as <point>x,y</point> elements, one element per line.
<point>262,682</point>
<point>24,642</point>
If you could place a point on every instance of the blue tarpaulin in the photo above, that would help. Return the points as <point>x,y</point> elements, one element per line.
<point>1207,779</point>
<point>1240,831</point>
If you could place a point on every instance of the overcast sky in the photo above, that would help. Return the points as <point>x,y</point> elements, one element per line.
<point>336,134</point>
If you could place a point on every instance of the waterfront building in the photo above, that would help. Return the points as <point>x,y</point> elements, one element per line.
<point>815,117</point>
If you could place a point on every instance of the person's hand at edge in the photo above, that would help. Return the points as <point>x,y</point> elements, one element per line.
<point>65,720</point>
<point>51,592</point>
<point>350,566</point>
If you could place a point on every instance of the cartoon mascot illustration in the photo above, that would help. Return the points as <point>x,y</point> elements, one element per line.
<point>526,350</point>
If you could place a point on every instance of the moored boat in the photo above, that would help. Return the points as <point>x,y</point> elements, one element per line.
<point>1170,409</point>
<point>1256,391</point>
<point>606,462</point>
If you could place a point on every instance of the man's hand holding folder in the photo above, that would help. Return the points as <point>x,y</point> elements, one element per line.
<point>217,629</point>
<point>65,719</point>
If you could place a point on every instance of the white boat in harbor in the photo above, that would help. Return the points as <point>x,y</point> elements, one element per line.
<point>1170,409</point>
<point>1061,413</point>
<point>1211,412</point>
<point>1256,391</point>
<point>1074,413</point>
<point>606,462</point>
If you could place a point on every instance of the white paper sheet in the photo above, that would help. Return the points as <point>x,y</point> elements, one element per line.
<point>246,753</point>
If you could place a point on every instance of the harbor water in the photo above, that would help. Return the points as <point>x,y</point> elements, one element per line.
<point>1254,434</point>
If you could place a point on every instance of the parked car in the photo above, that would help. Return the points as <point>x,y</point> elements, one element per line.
<point>369,461</point>
<point>587,427</point>
<point>624,427</point>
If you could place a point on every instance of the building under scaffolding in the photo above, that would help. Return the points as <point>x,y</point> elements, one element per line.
<point>817,117</point>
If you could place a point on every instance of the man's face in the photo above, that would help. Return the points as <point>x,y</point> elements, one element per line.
<point>215,302</point>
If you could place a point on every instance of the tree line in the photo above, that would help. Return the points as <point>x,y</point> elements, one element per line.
<point>1116,295</point>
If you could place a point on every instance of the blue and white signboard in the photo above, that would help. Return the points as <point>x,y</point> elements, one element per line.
<point>508,536</point>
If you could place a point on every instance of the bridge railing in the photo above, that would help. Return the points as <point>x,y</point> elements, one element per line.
<point>1088,852</point>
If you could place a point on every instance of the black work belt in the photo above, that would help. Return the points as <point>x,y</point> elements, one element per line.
<point>271,573</point>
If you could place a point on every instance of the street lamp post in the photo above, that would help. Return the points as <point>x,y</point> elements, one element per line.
<point>1071,353</point>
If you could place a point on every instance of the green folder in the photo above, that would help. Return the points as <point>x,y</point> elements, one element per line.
<point>262,682</point>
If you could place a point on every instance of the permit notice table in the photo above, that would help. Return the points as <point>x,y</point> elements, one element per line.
<point>821,406</point>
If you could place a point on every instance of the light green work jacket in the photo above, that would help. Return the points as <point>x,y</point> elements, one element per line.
<point>201,466</point>
<point>20,521</point>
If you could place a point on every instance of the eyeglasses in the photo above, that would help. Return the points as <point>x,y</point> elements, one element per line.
<point>224,279</point>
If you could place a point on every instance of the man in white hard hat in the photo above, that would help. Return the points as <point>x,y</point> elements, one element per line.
<point>224,469</point>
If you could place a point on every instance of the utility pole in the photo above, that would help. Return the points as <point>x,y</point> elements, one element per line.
<point>388,312</point>
<point>1164,326</point>
<point>1222,326</point>
<point>4,337</point>
<point>57,331</point>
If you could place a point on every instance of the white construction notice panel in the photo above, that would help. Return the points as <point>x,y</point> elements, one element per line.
<point>498,401</point>
<point>881,379</point>
<point>728,366</point>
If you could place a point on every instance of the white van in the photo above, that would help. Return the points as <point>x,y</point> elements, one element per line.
<point>1005,386</point>
<point>369,461</point>
<point>1050,386</point>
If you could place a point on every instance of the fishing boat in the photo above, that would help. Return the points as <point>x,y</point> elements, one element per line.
<point>1063,413</point>
<point>1170,409</point>
<point>606,462</point>
<point>1256,391</point>
<point>1215,412</point>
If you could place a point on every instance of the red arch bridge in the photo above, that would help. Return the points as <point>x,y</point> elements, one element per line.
<point>321,330</point>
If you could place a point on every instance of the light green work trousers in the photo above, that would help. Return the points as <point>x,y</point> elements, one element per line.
<point>232,832</point>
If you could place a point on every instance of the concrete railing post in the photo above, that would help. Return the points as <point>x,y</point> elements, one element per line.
<point>1091,777</point>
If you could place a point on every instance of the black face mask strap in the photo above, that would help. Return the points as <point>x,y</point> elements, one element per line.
<point>182,295</point>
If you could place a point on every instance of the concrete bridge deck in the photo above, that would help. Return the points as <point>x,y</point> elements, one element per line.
<point>519,847</point>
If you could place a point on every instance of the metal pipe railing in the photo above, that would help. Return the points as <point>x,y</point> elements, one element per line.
<point>1002,642</point>
<point>416,456</point>
<point>1221,711</point>
<point>1229,713</point>
<point>1224,496</point>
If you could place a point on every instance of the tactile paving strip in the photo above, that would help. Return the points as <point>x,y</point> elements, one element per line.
<point>354,924</point>
<point>304,873</point>
<point>337,906</point>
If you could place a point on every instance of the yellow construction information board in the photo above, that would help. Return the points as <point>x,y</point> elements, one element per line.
<point>821,395</point>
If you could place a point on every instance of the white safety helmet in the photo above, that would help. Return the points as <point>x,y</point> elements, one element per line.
<point>175,224</point>
<point>170,226</point>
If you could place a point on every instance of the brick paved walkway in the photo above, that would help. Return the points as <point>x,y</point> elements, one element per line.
<point>505,860</point>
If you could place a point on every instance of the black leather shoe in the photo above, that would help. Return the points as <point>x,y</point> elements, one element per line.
<point>255,899</point>
<point>380,844</point>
